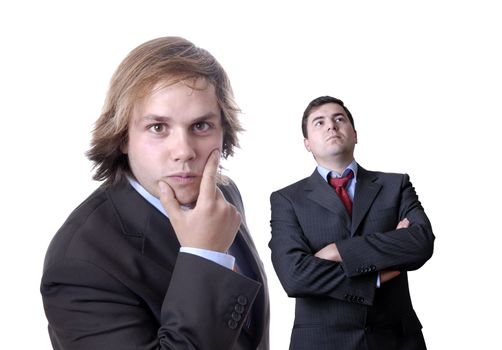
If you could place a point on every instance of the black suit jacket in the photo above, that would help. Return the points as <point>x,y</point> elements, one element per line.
<point>337,304</point>
<point>114,279</point>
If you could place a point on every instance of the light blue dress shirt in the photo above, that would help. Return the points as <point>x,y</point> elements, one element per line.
<point>222,259</point>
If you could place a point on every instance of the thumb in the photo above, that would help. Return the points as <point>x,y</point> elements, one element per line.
<point>168,199</point>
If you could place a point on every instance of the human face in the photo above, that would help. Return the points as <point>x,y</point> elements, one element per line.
<point>171,134</point>
<point>330,136</point>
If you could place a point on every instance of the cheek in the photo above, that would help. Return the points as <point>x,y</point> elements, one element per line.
<point>219,140</point>
<point>207,145</point>
<point>142,158</point>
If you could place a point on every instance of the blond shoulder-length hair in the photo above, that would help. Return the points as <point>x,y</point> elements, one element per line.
<point>168,60</point>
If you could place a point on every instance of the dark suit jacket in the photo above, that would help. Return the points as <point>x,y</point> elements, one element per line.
<point>337,304</point>
<point>114,279</point>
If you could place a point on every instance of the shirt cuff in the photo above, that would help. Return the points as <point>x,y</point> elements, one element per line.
<point>378,280</point>
<point>222,259</point>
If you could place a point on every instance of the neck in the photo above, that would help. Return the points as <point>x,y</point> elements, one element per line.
<point>338,165</point>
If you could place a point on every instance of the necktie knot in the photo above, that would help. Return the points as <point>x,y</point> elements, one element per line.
<point>339,183</point>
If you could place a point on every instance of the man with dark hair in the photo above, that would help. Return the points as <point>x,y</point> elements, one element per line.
<point>343,240</point>
<point>159,257</point>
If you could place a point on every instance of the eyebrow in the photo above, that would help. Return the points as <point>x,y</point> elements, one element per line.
<point>166,119</point>
<point>323,117</point>
<point>317,118</point>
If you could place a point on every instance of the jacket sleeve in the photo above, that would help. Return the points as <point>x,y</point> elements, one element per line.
<point>404,249</point>
<point>88,308</point>
<point>299,271</point>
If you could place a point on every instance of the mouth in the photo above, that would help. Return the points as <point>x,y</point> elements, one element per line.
<point>182,178</point>
<point>333,137</point>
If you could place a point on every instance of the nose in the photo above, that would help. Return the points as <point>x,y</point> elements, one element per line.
<point>331,125</point>
<point>180,146</point>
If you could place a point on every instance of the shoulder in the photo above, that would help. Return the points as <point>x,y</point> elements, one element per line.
<point>381,176</point>
<point>231,193</point>
<point>305,184</point>
<point>230,190</point>
<point>301,184</point>
<point>294,191</point>
<point>81,225</point>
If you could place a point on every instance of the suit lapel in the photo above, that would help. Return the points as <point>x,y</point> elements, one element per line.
<point>243,237</point>
<point>141,219</point>
<point>324,195</point>
<point>151,233</point>
<point>366,192</point>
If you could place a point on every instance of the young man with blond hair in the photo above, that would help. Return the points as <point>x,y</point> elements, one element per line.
<point>159,256</point>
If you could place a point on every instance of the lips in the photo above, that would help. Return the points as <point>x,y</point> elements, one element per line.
<point>333,137</point>
<point>183,178</point>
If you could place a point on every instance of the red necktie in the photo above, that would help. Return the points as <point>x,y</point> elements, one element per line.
<point>339,184</point>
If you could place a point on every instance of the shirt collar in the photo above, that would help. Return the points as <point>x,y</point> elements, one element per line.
<point>326,173</point>
<point>147,195</point>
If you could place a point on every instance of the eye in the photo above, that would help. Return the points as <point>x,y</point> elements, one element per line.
<point>318,123</point>
<point>157,128</point>
<point>339,119</point>
<point>201,126</point>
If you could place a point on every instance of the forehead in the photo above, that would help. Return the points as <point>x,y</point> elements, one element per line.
<point>191,97</point>
<point>191,88</point>
<point>326,110</point>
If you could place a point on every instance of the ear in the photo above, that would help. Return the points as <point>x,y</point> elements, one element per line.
<point>355,135</point>
<point>307,144</point>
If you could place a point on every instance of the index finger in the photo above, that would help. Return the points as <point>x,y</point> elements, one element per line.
<point>208,183</point>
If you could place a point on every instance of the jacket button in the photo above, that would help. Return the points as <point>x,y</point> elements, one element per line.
<point>232,324</point>
<point>239,308</point>
<point>242,300</point>
<point>373,267</point>
<point>360,300</point>
<point>236,317</point>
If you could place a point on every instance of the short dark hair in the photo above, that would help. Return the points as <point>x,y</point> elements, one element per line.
<point>317,102</point>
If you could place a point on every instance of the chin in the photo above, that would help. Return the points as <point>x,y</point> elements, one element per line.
<point>186,198</point>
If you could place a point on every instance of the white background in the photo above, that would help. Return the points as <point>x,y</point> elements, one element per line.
<point>423,81</point>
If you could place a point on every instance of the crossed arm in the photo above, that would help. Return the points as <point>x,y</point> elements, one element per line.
<point>330,252</point>
<point>348,265</point>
